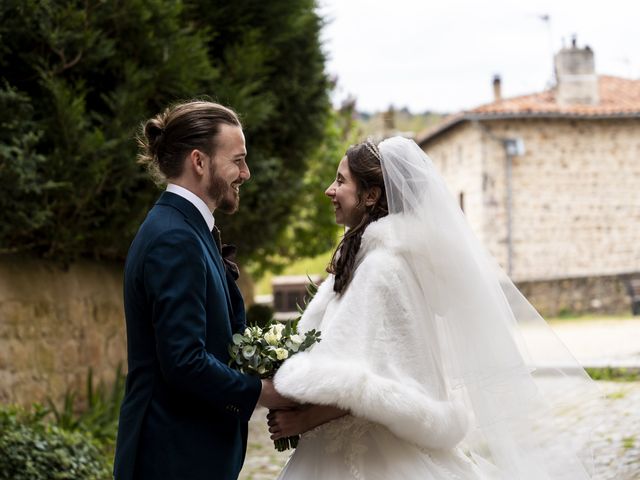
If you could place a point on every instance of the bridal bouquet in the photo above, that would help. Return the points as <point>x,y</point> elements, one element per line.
<point>260,351</point>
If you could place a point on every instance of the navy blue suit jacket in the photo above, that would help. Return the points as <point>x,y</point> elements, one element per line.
<point>185,412</point>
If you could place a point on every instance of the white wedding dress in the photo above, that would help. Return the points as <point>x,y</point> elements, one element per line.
<point>428,349</point>
<point>352,448</point>
<point>373,362</point>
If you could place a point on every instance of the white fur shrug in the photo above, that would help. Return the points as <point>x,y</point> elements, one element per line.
<point>378,356</point>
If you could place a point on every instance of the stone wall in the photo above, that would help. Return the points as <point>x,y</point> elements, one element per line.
<point>576,201</point>
<point>470,161</point>
<point>606,295</point>
<point>457,155</point>
<point>55,323</point>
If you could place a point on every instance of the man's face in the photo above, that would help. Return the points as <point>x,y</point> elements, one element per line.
<point>228,169</point>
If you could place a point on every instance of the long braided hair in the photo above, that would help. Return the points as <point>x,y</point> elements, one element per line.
<point>364,164</point>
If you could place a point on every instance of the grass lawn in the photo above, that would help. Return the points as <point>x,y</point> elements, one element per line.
<point>306,266</point>
<point>590,317</point>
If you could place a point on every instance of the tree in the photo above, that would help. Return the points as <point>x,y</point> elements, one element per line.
<point>273,73</point>
<point>312,229</point>
<point>80,76</point>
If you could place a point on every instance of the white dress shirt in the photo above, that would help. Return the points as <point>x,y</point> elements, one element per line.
<point>196,201</point>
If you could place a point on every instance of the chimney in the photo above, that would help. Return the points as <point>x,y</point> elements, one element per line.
<point>577,82</point>
<point>497,88</point>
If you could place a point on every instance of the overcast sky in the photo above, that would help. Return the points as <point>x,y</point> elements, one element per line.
<point>442,55</point>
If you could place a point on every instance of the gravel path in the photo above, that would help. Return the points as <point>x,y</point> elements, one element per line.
<point>602,342</point>
<point>615,442</point>
<point>263,462</point>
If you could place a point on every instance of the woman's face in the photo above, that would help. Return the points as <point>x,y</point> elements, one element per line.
<point>343,193</point>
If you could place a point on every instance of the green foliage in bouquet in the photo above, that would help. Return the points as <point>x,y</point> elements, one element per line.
<point>263,346</point>
<point>312,289</point>
<point>260,351</point>
<point>33,449</point>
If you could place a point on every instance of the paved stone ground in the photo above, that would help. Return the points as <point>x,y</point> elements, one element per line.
<point>615,440</point>
<point>613,342</point>
<point>263,462</point>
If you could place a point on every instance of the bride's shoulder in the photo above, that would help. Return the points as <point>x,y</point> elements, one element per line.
<point>381,257</point>
<point>382,263</point>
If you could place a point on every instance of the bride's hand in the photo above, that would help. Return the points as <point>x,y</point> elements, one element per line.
<point>287,423</point>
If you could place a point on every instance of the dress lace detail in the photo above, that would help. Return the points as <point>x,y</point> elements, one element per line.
<point>344,435</point>
<point>450,475</point>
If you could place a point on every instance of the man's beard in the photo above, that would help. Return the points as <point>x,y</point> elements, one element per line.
<point>225,197</point>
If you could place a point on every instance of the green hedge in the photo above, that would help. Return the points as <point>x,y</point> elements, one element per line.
<point>78,78</point>
<point>32,449</point>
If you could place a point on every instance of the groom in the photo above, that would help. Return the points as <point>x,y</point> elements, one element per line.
<point>185,412</point>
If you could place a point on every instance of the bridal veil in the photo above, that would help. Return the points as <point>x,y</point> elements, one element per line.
<point>519,392</point>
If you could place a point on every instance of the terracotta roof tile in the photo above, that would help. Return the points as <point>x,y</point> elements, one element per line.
<point>619,97</point>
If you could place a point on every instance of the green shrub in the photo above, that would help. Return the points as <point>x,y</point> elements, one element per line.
<point>31,449</point>
<point>98,416</point>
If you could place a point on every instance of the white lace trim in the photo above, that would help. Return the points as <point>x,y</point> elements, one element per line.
<point>337,440</point>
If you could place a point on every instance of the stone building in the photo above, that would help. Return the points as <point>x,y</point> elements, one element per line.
<point>290,293</point>
<point>550,182</point>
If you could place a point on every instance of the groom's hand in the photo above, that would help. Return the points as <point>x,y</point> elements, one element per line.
<point>270,398</point>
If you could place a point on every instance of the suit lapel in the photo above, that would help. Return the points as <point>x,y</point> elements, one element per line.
<point>194,218</point>
<point>217,260</point>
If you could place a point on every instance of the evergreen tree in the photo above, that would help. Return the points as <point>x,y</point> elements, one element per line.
<point>272,72</point>
<point>78,77</point>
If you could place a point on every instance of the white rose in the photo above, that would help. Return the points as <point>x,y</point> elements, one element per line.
<point>277,330</point>
<point>297,339</point>
<point>282,353</point>
<point>247,332</point>
<point>256,332</point>
<point>271,338</point>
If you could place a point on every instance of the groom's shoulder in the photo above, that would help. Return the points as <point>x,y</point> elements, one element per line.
<point>161,219</point>
<point>162,223</point>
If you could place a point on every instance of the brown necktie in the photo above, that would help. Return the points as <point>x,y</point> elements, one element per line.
<point>215,233</point>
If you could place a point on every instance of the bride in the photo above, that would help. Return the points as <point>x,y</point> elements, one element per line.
<point>427,368</point>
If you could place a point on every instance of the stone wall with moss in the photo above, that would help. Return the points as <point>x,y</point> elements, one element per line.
<point>570,296</point>
<point>55,323</point>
